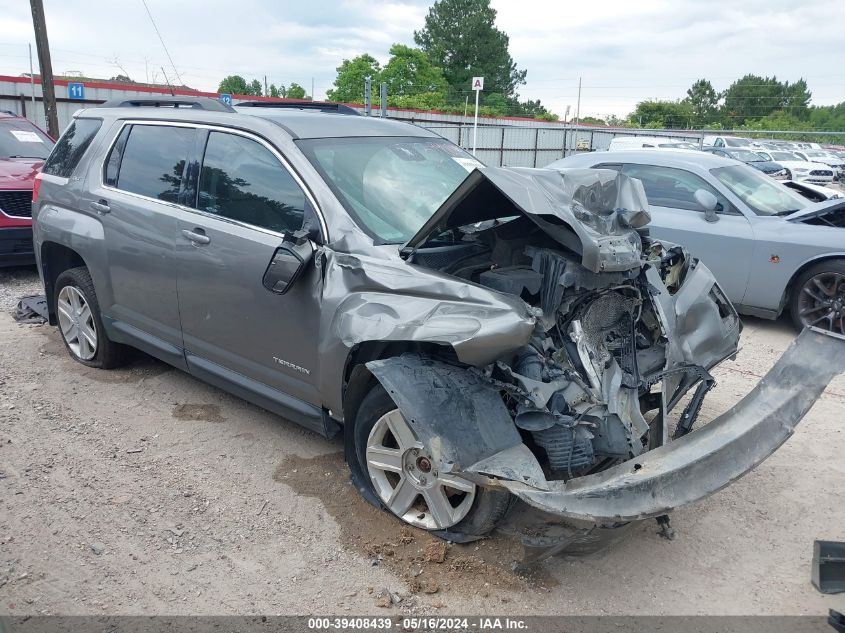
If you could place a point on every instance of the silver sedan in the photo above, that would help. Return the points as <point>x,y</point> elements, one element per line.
<point>771,249</point>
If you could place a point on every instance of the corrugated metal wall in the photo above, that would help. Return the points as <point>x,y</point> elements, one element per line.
<point>509,142</point>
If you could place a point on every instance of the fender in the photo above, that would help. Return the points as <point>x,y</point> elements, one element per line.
<point>459,415</point>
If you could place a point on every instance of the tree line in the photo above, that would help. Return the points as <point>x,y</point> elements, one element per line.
<point>237,85</point>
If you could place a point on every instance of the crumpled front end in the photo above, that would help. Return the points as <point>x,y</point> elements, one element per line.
<point>576,420</point>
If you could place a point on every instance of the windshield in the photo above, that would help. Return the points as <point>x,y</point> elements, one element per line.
<point>817,154</point>
<point>390,185</point>
<point>21,139</point>
<point>784,156</point>
<point>763,195</point>
<point>730,141</point>
<point>747,156</point>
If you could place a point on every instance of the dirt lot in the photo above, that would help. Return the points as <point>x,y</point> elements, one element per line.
<point>142,490</point>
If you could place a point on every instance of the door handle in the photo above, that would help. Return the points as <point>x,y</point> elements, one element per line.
<point>197,236</point>
<point>101,206</point>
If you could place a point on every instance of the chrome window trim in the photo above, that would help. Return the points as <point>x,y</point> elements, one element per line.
<point>324,229</point>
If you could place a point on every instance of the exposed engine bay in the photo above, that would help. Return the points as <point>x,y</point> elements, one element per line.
<point>580,389</point>
<point>564,398</point>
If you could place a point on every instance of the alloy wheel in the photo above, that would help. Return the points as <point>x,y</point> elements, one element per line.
<point>76,323</point>
<point>822,302</point>
<point>407,478</point>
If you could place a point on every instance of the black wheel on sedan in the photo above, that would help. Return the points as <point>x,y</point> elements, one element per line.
<point>818,298</point>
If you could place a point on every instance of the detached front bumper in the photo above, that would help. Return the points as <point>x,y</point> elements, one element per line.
<point>708,459</point>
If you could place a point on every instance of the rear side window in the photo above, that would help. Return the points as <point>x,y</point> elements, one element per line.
<point>71,146</point>
<point>242,180</point>
<point>153,161</point>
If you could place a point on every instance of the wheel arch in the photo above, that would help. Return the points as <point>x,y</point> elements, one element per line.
<point>790,286</point>
<point>358,380</point>
<point>55,259</point>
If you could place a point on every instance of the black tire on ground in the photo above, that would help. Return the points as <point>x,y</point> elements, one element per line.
<point>108,354</point>
<point>789,174</point>
<point>489,506</point>
<point>831,267</point>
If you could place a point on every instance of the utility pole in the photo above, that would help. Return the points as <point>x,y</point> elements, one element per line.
<point>312,89</point>
<point>266,92</point>
<point>32,82</point>
<point>383,99</point>
<point>48,92</point>
<point>578,107</point>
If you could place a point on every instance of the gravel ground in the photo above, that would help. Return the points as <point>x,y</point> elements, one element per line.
<point>144,491</point>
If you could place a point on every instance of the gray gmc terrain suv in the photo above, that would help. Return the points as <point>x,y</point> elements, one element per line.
<point>484,338</point>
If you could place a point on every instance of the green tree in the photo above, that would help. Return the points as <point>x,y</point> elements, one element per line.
<point>754,97</point>
<point>349,83</point>
<point>615,121</point>
<point>591,120</point>
<point>657,114</point>
<point>530,108</point>
<point>234,84</point>
<point>295,91</point>
<point>461,37</point>
<point>275,92</point>
<point>410,71</point>
<point>421,101</point>
<point>703,100</point>
<point>797,100</point>
<point>255,88</point>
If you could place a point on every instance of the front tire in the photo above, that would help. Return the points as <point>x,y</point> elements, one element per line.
<point>403,476</point>
<point>818,297</point>
<point>80,323</point>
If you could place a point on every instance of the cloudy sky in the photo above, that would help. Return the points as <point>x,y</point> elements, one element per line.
<point>623,51</point>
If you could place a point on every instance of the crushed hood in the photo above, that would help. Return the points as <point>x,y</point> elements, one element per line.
<point>592,212</point>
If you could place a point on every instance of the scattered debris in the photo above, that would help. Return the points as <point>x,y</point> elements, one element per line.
<point>263,505</point>
<point>666,530</point>
<point>31,310</point>
<point>97,548</point>
<point>134,450</point>
<point>435,552</point>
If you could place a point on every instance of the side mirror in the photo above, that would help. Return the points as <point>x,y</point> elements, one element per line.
<point>288,262</point>
<point>709,203</point>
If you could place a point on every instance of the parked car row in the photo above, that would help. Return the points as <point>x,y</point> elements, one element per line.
<point>818,161</point>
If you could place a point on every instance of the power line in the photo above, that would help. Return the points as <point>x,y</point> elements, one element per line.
<point>161,39</point>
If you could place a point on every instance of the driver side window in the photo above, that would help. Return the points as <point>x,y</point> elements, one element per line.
<point>674,188</point>
<point>242,180</point>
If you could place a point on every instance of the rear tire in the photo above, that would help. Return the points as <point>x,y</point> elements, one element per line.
<point>80,323</point>
<point>478,517</point>
<point>818,297</point>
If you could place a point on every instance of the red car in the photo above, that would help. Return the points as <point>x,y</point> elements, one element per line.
<point>23,148</point>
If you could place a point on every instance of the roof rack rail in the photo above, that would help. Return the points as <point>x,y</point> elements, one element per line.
<point>322,106</point>
<point>199,103</point>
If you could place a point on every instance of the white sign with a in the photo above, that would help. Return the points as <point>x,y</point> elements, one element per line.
<point>478,86</point>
